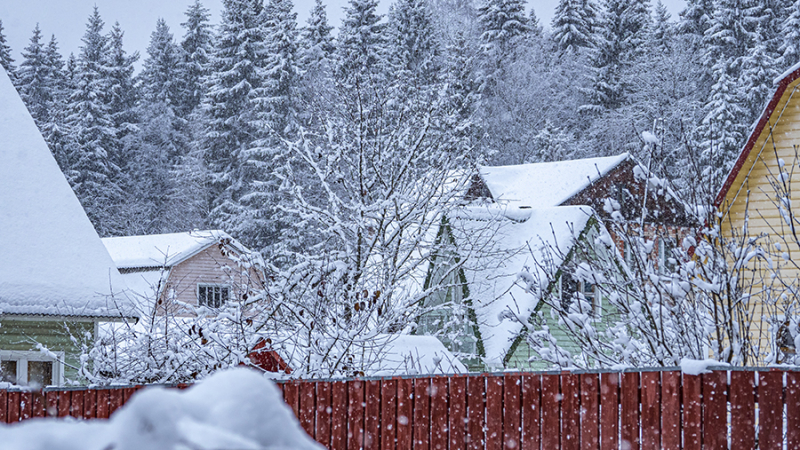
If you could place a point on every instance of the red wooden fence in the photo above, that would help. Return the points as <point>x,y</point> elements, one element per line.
<point>736,409</point>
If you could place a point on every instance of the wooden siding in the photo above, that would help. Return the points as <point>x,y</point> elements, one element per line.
<point>751,195</point>
<point>214,265</point>
<point>55,335</point>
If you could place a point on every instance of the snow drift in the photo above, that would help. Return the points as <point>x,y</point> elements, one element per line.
<point>237,408</point>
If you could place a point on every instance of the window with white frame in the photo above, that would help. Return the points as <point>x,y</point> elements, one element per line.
<point>213,295</point>
<point>29,368</point>
<point>666,255</point>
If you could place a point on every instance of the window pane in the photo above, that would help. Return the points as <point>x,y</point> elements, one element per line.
<point>8,371</point>
<point>40,373</point>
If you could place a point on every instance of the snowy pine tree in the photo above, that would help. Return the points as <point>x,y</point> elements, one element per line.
<point>759,69</point>
<point>570,28</point>
<point>414,44</point>
<point>55,131</point>
<point>197,46</point>
<point>361,44</point>
<point>790,31</point>
<point>34,82</point>
<point>5,54</point>
<point>160,77</point>
<point>696,18</point>
<point>122,94</point>
<point>661,33</point>
<point>503,24</point>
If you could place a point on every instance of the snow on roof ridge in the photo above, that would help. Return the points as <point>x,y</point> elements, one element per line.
<point>546,184</point>
<point>157,250</point>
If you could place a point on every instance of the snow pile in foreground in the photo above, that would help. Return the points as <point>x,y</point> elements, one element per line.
<point>234,409</point>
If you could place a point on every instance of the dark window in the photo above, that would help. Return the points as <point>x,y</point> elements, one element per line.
<point>40,373</point>
<point>213,295</point>
<point>571,286</point>
<point>8,371</point>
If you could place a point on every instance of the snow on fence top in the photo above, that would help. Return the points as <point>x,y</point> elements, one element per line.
<point>53,261</point>
<point>543,185</point>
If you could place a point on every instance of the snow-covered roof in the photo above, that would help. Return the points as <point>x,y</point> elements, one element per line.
<point>545,184</point>
<point>499,243</point>
<point>162,250</point>
<point>53,260</point>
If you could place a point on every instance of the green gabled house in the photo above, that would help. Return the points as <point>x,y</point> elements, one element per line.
<point>57,281</point>
<point>523,233</point>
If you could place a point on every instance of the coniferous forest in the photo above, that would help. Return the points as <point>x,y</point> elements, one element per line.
<point>295,139</point>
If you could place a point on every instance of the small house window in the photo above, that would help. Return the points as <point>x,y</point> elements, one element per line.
<point>28,368</point>
<point>666,255</point>
<point>785,343</point>
<point>571,286</point>
<point>213,295</point>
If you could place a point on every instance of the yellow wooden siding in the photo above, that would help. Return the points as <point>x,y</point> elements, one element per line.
<point>756,198</point>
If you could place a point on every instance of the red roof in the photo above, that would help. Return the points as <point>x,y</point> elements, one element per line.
<point>263,357</point>
<point>762,122</point>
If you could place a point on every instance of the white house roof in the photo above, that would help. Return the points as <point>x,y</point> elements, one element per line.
<point>160,250</point>
<point>545,184</point>
<point>498,244</point>
<point>53,260</point>
<point>407,354</point>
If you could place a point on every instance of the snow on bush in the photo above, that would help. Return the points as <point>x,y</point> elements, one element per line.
<point>237,408</point>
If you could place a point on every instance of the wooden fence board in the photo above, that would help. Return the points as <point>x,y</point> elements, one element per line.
<point>494,413</point>
<point>512,411</point>
<point>671,410</point>
<point>323,419</point>
<point>651,409</point>
<point>89,404</point>
<point>458,412</point>
<point>388,414</point>
<point>793,409</point>
<point>51,404</point>
<point>422,413</point>
<point>531,411</point>
<point>38,408</point>
<point>76,404</point>
<point>127,393</point>
<point>355,415</point>
<point>338,415</point>
<point>743,401</point>
<point>115,399</point>
<point>405,414</point>
<point>307,408</point>
<point>372,416</point>
<point>692,413</point>
<point>629,410</point>
<point>551,411</point>
<point>64,403</point>
<point>439,406</point>
<point>291,395</point>
<point>25,405</point>
<point>570,411</point>
<point>590,411</point>
<point>770,409</point>
<point>102,403</point>
<point>3,406</point>
<point>715,415</point>
<point>13,407</point>
<point>476,419</point>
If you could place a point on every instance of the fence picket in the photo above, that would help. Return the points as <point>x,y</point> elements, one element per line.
<point>793,409</point>
<point>715,411</point>
<point>89,404</point>
<point>651,410</point>
<point>291,395</point>
<point>388,414</point>
<point>25,405</point>
<point>355,415</point>
<point>551,411</point>
<point>372,416</point>
<point>115,399</point>
<point>671,410</point>
<point>570,411</point>
<point>64,403</point>
<point>338,415</point>
<point>3,406</point>
<point>743,400</point>
<point>590,425</point>
<point>102,403</point>
<point>323,420</point>
<point>629,410</point>
<point>458,413</point>
<point>405,414</point>
<point>692,413</point>
<point>475,412</point>
<point>51,404</point>
<point>512,411</point>
<point>439,427</point>
<point>609,411</point>
<point>531,411</point>
<point>770,409</point>
<point>494,413</point>
<point>13,407</point>
<point>422,405</point>
<point>38,405</point>
<point>307,407</point>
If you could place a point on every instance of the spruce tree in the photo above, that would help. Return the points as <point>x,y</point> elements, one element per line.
<point>160,82</point>
<point>790,30</point>
<point>94,174</point>
<point>361,45</point>
<point>5,55</point>
<point>662,31</point>
<point>570,28</point>
<point>197,47</point>
<point>503,24</point>
<point>281,66</point>
<point>534,24</point>
<point>34,80</point>
<point>231,110</point>
<point>696,18</point>
<point>414,44</point>
<point>55,130</point>
<point>759,69</point>
<point>122,94</point>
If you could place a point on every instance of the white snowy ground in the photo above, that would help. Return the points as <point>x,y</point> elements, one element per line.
<point>235,409</point>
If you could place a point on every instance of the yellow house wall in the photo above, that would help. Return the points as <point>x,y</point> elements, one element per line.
<point>753,197</point>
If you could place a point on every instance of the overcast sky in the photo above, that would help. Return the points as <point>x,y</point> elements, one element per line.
<point>67,18</point>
